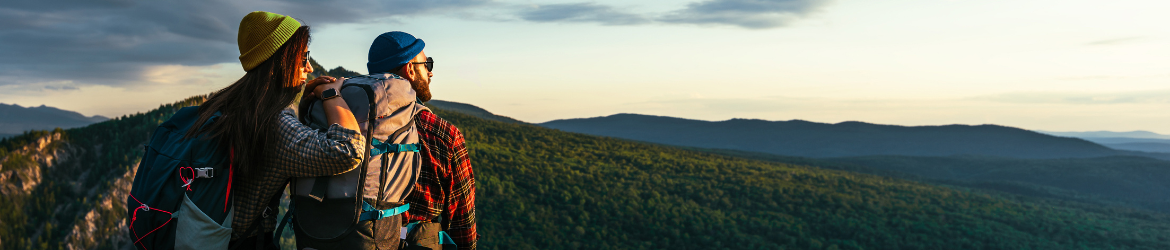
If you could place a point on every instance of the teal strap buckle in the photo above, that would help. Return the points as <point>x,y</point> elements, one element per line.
<point>380,147</point>
<point>371,213</point>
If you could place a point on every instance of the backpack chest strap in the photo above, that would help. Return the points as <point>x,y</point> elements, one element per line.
<point>371,213</point>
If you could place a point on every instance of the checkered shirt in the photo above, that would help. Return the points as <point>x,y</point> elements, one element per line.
<point>446,185</point>
<point>294,151</point>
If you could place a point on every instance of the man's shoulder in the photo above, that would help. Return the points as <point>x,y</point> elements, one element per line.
<point>430,123</point>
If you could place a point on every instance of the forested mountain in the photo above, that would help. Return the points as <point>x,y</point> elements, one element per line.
<point>471,110</point>
<point>339,71</point>
<point>811,139</point>
<point>545,189</point>
<point>15,119</point>
<point>540,188</point>
<point>1132,181</point>
<point>1122,180</point>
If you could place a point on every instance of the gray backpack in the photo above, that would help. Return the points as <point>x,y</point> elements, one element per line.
<point>343,211</point>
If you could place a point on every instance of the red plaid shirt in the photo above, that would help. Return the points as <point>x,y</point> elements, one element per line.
<point>446,185</point>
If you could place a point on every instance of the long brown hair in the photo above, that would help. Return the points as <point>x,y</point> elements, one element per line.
<point>250,105</point>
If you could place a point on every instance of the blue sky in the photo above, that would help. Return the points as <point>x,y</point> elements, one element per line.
<point>1035,64</point>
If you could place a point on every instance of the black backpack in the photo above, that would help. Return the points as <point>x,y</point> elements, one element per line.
<point>180,198</point>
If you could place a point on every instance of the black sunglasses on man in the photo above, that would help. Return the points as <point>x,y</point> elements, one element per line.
<point>430,63</point>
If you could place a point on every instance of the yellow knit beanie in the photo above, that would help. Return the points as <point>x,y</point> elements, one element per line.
<point>261,34</point>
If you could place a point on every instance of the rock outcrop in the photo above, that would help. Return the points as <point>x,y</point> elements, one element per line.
<point>105,224</point>
<point>22,168</point>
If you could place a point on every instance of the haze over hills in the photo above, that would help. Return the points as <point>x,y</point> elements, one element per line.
<point>1144,141</point>
<point>811,139</point>
<point>1109,134</point>
<point>1162,146</point>
<point>471,110</point>
<point>15,119</point>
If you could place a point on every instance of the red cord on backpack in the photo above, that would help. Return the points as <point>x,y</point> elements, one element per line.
<point>187,182</point>
<point>134,217</point>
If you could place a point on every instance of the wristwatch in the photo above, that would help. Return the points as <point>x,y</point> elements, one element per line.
<point>329,94</point>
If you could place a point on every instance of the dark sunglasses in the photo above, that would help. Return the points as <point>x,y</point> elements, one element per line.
<point>430,63</point>
<point>306,58</point>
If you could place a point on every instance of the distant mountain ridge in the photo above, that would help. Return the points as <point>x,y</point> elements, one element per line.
<point>1109,134</point>
<point>15,119</point>
<point>846,139</point>
<point>1144,141</point>
<point>471,110</point>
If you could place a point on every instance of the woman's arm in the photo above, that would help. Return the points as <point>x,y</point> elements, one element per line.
<point>336,110</point>
<point>300,151</point>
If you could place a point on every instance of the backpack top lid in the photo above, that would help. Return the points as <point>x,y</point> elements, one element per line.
<point>185,118</point>
<point>393,97</point>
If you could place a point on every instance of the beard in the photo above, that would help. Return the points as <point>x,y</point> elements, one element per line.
<point>422,89</point>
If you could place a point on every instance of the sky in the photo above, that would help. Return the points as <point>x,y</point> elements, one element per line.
<point>1049,65</point>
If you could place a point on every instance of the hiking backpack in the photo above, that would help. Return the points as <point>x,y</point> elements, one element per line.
<point>326,211</point>
<point>180,198</point>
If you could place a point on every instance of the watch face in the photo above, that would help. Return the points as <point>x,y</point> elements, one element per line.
<point>329,93</point>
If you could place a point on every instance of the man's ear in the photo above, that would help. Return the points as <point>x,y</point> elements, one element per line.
<point>408,73</point>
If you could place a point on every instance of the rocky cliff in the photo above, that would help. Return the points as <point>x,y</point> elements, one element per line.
<point>85,216</point>
<point>66,189</point>
<point>21,170</point>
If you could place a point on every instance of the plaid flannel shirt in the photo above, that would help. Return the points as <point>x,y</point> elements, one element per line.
<point>294,151</point>
<point>446,185</point>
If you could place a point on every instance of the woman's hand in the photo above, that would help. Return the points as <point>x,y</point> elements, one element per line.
<point>313,87</point>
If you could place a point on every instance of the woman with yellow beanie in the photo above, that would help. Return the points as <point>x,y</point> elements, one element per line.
<point>269,145</point>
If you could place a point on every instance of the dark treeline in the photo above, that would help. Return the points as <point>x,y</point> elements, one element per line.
<point>545,189</point>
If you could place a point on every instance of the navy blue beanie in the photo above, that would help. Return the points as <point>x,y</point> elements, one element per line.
<point>391,50</point>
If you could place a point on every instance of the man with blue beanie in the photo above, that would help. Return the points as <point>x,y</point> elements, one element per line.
<point>444,195</point>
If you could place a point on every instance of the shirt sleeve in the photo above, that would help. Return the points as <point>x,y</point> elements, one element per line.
<point>461,201</point>
<point>304,152</point>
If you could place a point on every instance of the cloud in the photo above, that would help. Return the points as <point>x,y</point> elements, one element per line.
<point>116,42</point>
<point>1136,97</point>
<point>1114,41</point>
<point>62,87</point>
<point>752,14</point>
<point>768,104</point>
<point>580,12</point>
